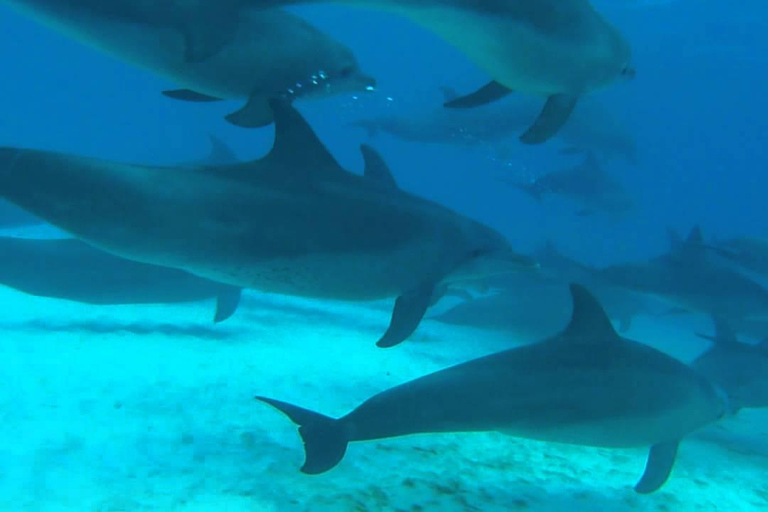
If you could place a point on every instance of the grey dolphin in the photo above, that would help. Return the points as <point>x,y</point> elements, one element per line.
<point>690,280</point>
<point>749,253</point>
<point>294,222</point>
<point>72,270</point>
<point>585,386</point>
<point>559,49</point>
<point>590,127</point>
<point>266,53</point>
<point>587,184</point>
<point>739,368</point>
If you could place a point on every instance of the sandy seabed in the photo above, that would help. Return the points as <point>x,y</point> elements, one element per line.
<point>150,408</point>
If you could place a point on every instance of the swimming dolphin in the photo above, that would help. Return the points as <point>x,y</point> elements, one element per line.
<point>739,368</point>
<point>294,222</point>
<point>590,127</point>
<point>749,253</point>
<point>559,49</point>
<point>587,183</point>
<point>72,270</point>
<point>689,279</point>
<point>584,386</point>
<point>12,216</point>
<point>248,54</point>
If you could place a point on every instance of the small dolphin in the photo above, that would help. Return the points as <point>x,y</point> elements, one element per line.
<point>294,222</point>
<point>590,127</point>
<point>740,369</point>
<point>72,270</point>
<point>559,49</point>
<point>248,54</point>
<point>587,183</point>
<point>750,253</point>
<point>584,386</point>
<point>689,279</point>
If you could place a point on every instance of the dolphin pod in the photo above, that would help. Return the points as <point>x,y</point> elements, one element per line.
<point>293,222</point>
<point>261,54</point>
<point>585,386</point>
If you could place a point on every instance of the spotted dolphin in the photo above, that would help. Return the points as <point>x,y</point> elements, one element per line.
<point>294,222</point>
<point>213,49</point>
<point>585,386</point>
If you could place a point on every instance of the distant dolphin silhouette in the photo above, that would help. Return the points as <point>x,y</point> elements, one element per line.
<point>213,49</point>
<point>585,386</point>
<point>293,222</point>
<point>72,270</point>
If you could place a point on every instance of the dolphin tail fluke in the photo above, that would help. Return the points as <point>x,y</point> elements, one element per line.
<point>553,116</point>
<point>409,310</point>
<point>325,441</point>
<point>658,468</point>
<point>256,113</point>
<point>226,304</point>
<point>490,92</point>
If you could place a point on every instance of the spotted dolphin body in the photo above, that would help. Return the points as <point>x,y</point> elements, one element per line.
<point>213,49</point>
<point>294,222</point>
<point>584,386</point>
<point>591,127</point>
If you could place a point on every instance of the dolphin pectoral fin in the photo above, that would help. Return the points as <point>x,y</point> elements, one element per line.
<point>490,92</point>
<point>325,441</point>
<point>256,113</point>
<point>553,116</point>
<point>409,310</point>
<point>189,95</point>
<point>438,293</point>
<point>661,458</point>
<point>226,304</point>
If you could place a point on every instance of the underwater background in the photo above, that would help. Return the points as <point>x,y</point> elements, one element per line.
<point>149,407</point>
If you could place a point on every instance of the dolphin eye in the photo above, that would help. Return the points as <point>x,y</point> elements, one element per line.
<point>476,253</point>
<point>346,72</point>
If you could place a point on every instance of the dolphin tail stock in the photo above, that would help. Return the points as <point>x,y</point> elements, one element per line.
<point>226,304</point>
<point>325,440</point>
<point>661,459</point>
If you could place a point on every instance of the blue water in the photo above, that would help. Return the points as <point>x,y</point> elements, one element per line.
<point>161,418</point>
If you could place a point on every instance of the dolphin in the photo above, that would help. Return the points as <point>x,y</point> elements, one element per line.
<point>558,49</point>
<point>749,253</point>
<point>585,386</point>
<point>739,368</point>
<point>687,278</point>
<point>261,54</point>
<point>72,270</point>
<point>590,127</point>
<point>294,222</point>
<point>587,183</point>
<point>12,216</point>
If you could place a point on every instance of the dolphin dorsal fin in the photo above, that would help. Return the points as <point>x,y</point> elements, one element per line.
<point>588,320</point>
<point>220,153</point>
<point>693,250</point>
<point>376,169</point>
<point>297,150</point>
